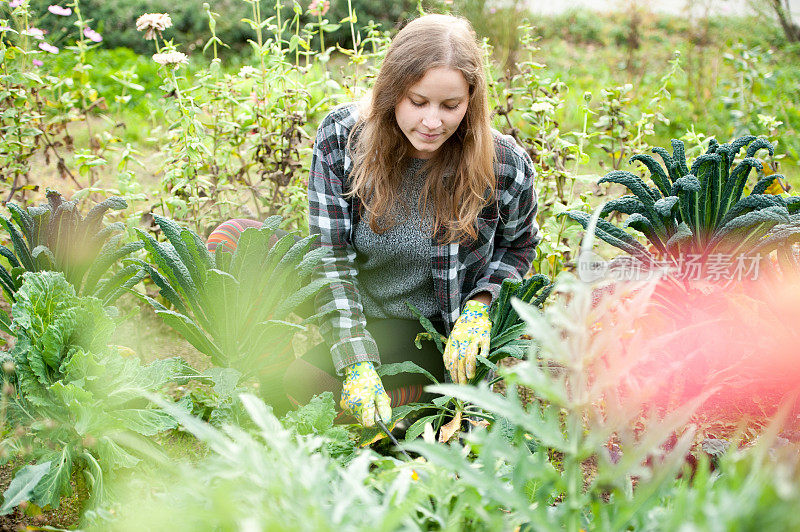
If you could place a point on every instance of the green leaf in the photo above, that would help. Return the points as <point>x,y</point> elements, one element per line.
<point>20,248</point>
<point>260,413</point>
<point>70,394</point>
<point>187,328</point>
<point>486,362</point>
<point>679,156</point>
<point>225,380</point>
<point>706,169</point>
<point>734,186</point>
<point>760,144</point>
<point>509,333</point>
<point>174,234</point>
<point>22,486</point>
<point>222,307</point>
<point>669,163</point>
<point>387,370</point>
<point>8,254</point>
<point>738,144</point>
<point>111,456</point>
<point>683,234</point>
<point>110,254</point>
<point>657,173</point>
<point>169,264</point>
<point>165,287</point>
<point>687,189</point>
<point>55,484</point>
<point>753,202</point>
<point>613,235</point>
<point>627,204</point>
<point>147,422</point>
<point>291,302</point>
<point>642,224</point>
<point>500,307</point>
<point>5,322</point>
<point>665,205</point>
<point>428,326</point>
<point>24,221</point>
<point>418,427</point>
<point>764,183</point>
<point>316,417</point>
<point>769,217</point>
<point>106,289</point>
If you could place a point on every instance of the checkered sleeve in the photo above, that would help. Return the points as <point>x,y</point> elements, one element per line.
<point>329,216</point>
<point>517,232</point>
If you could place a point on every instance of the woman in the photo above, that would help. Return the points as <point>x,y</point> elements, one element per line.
<point>419,201</point>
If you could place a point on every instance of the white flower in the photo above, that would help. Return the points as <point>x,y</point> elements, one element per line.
<point>542,107</point>
<point>171,58</point>
<point>247,71</point>
<point>151,23</point>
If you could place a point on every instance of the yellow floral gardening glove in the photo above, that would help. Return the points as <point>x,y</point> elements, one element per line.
<point>362,393</point>
<point>470,334</point>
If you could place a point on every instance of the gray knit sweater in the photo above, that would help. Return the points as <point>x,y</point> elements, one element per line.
<point>395,267</point>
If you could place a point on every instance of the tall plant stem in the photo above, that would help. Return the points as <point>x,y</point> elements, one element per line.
<point>575,169</point>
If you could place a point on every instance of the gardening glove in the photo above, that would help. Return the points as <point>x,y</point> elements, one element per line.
<point>470,334</point>
<point>362,393</point>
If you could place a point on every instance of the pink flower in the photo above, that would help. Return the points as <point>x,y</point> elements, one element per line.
<point>36,33</point>
<point>92,35</point>
<point>318,8</point>
<point>37,62</point>
<point>61,11</point>
<point>47,47</point>
<point>4,28</point>
<point>14,3</point>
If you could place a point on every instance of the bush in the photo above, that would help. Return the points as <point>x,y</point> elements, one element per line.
<point>116,20</point>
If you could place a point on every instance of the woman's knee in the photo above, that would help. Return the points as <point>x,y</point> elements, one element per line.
<point>228,232</point>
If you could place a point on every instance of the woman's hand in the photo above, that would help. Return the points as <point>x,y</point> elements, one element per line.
<point>470,334</point>
<point>363,393</point>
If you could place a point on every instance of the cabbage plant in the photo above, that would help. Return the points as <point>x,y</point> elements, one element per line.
<point>77,401</point>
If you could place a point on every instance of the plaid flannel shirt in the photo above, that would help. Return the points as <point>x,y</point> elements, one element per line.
<point>505,246</point>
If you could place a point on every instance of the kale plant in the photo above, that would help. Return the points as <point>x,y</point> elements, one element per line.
<point>700,209</point>
<point>56,237</point>
<point>234,307</point>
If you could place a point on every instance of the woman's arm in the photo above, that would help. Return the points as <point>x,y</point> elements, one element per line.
<point>329,216</point>
<point>517,232</point>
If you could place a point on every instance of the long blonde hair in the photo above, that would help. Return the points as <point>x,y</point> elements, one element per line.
<point>460,177</point>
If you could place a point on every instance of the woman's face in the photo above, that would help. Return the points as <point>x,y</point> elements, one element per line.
<point>432,109</point>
